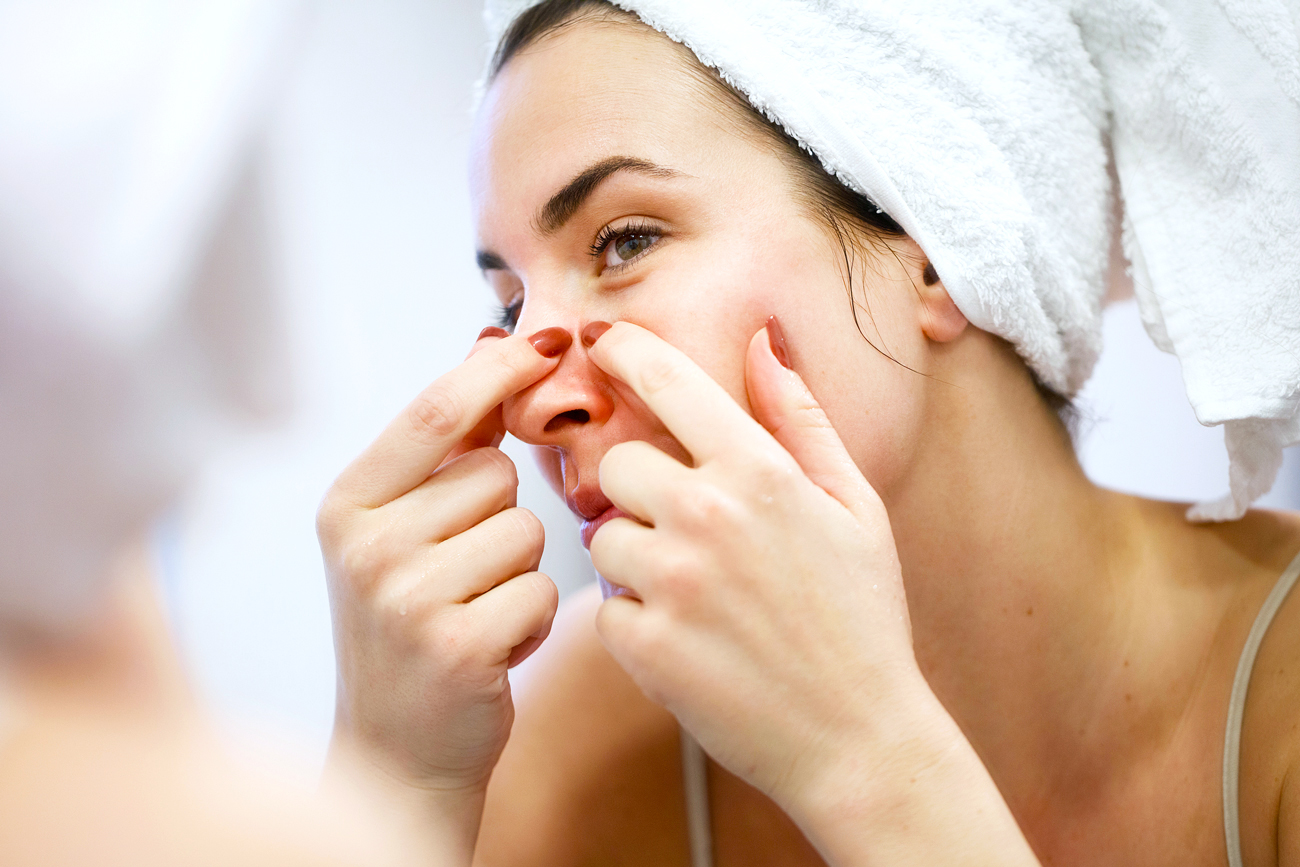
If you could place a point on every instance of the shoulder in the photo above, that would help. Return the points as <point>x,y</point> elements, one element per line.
<point>82,787</point>
<point>1270,752</point>
<point>591,773</point>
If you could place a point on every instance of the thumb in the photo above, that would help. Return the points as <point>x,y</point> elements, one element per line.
<point>783,404</point>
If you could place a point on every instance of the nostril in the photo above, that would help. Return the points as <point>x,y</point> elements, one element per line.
<point>577,416</point>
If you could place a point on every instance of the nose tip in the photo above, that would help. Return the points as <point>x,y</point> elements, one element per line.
<point>571,399</point>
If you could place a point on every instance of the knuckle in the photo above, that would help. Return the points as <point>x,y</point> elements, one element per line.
<point>550,593</point>
<point>810,416</point>
<point>514,363</point>
<point>335,514</point>
<point>705,506</point>
<point>648,646</point>
<point>329,521</point>
<point>679,579</point>
<point>436,414</point>
<point>545,595</point>
<point>361,562</point>
<point>767,472</point>
<point>502,473</point>
<point>528,528</point>
<point>661,374</point>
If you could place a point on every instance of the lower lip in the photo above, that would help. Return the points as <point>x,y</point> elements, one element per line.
<point>589,528</point>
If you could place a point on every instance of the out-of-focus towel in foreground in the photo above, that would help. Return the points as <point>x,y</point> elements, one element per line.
<point>136,313</point>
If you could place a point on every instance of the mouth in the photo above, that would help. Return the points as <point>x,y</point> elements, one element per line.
<point>591,525</point>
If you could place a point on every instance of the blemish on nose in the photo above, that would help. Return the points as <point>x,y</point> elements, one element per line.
<point>576,416</point>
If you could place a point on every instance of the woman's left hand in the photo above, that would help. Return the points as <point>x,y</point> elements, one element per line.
<point>766,606</point>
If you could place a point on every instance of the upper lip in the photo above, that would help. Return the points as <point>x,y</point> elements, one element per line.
<point>587,502</point>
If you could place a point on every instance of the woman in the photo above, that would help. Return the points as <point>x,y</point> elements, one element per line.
<point>845,540</point>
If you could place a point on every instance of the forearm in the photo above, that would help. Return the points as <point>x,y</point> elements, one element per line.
<point>915,793</point>
<point>445,820</point>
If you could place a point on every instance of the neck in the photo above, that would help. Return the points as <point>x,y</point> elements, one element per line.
<point>1027,587</point>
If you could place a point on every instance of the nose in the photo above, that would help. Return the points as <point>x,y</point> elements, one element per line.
<point>573,398</point>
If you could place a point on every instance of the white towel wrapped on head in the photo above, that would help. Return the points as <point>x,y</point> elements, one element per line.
<point>982,127</point>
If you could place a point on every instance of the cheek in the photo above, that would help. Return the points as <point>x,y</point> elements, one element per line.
<point>876,408</point>
<point>709,306</point>
<point>875,403</point>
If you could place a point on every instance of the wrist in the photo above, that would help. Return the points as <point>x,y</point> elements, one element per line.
<point>897,726</point>
<point>444,813</point>
<point>908,789</point>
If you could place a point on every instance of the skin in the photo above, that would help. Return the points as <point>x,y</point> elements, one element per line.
<point>1040,670</point>
<point>107,760</point>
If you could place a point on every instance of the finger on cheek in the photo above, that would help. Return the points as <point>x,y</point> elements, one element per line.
<point>768,382</point>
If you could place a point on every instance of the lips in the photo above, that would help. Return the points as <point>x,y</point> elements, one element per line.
<point>591,525</point>
<point>595,509</point>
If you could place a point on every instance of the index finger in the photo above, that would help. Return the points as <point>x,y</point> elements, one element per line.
<point>703,417</point>
<point>416,442</point>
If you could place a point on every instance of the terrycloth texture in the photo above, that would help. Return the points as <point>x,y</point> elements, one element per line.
<point>1206,134</point>
<point>982,126</point>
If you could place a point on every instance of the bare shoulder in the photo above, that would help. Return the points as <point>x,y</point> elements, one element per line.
<point>1266,538</point>
<point>1270,753</point>
<point>112,788</point>
<point>591,773</point>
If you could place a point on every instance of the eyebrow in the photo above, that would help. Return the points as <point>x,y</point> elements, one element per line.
<point>561,207</point>
<point>490,261</point>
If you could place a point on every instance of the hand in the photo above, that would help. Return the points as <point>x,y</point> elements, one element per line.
<point>767,609</point>
<point>432,579</point>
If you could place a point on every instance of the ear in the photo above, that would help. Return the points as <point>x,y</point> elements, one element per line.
<point>941,321</point>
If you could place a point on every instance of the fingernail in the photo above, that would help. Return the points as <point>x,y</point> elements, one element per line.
<point>491,331</point>
<point>550,342</point>
<point>592,331</point>
<point>776,339</point>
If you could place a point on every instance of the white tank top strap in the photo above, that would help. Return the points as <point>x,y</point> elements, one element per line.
<point>695,778</point>
<point>695,770</point>
<point>1237,708</point>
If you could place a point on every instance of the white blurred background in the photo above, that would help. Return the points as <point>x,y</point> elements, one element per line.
<point>370,217</point>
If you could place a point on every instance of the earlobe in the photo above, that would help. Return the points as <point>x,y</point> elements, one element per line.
<point>941,321</point>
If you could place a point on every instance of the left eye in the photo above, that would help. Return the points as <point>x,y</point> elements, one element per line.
<point>627,246</point>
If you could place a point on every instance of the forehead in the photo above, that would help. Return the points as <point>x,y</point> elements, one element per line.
<point>591,90</point>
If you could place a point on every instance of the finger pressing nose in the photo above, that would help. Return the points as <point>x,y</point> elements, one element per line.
<point>551,342</point>
<point>591,332</point>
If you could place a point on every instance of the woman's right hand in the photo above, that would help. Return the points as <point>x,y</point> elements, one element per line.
<point>432,577</point>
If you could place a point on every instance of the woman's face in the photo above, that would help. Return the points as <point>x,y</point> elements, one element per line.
<point>610,184</point>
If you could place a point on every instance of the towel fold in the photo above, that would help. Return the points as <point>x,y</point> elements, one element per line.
<point>985,129</point>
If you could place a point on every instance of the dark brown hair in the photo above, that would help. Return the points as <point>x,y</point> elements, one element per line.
<point>852,218</point>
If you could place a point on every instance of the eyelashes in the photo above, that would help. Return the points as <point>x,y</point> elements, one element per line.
<point>507,315</point>
<point>614,249</point>
<point>622,245</point>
